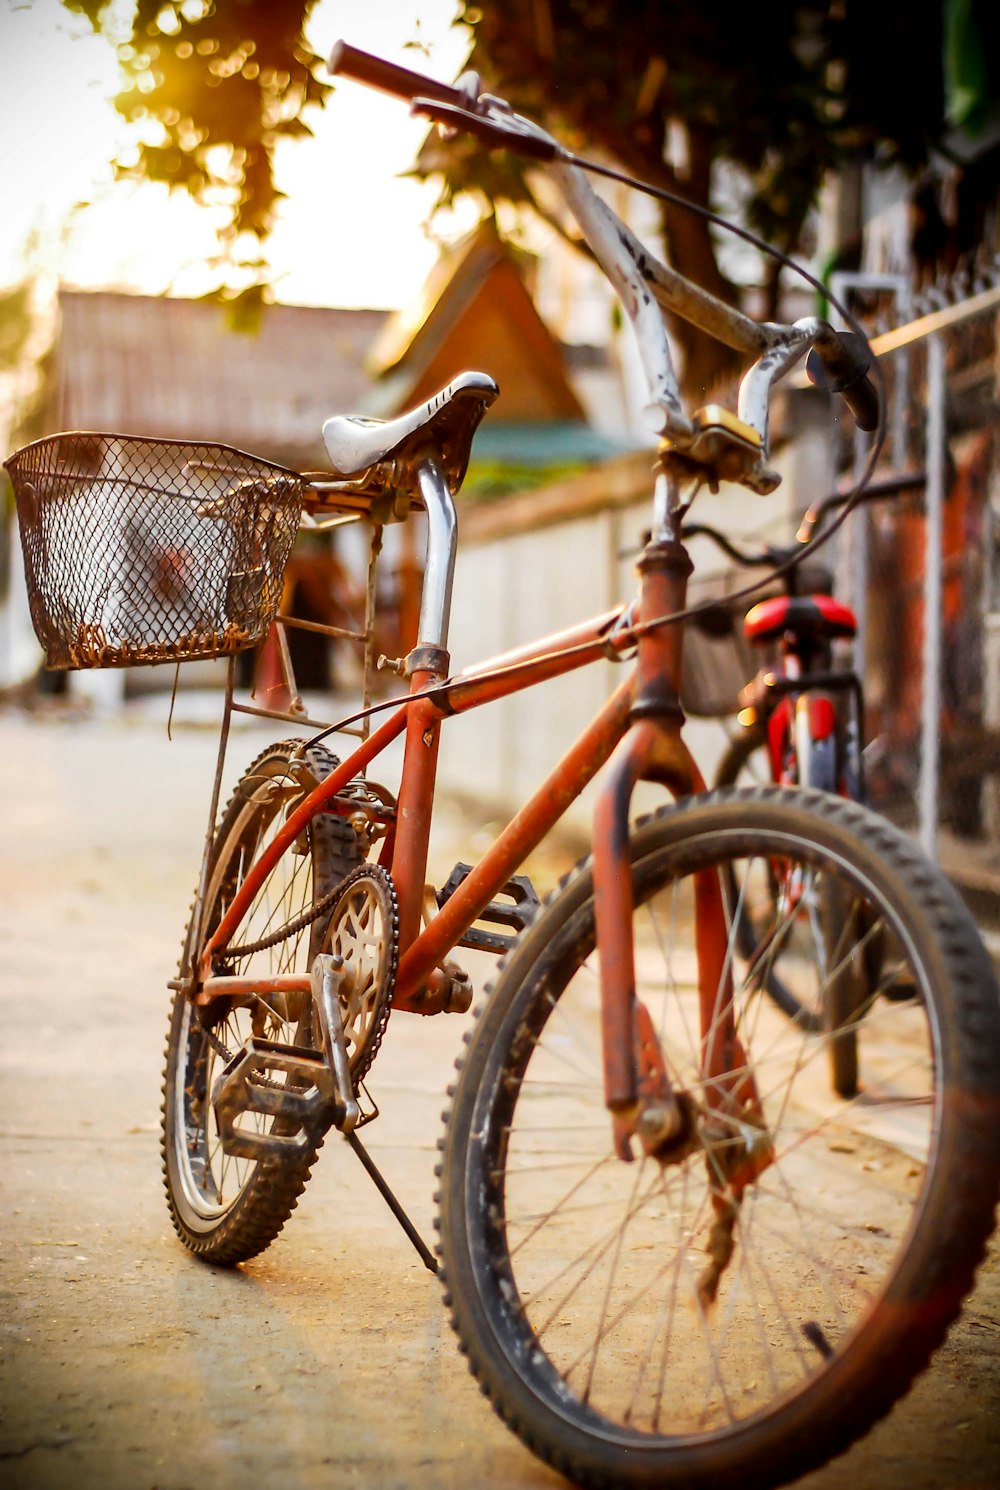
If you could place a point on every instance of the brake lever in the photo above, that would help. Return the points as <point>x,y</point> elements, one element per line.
<point>512,132</point>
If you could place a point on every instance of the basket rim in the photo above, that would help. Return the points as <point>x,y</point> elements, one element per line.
<point>102,434</point>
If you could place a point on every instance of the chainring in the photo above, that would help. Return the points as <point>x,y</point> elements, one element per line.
<point>363,930</point>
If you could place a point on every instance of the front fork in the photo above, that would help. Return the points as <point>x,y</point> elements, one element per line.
<point>638,1090</point>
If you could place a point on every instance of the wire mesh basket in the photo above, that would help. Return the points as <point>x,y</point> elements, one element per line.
<point>141,551</point>
<point>718,659</point>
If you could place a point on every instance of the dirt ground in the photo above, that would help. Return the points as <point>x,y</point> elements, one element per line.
<point>329,1362</point>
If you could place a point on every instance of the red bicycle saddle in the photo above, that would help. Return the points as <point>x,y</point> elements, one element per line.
<point>811,615</point>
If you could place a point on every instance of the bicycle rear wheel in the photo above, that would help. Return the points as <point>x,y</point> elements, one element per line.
<point>665,1323</point>
<point>226,1208</point>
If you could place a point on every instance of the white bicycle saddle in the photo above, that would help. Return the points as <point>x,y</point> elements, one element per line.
<point>442,427</point>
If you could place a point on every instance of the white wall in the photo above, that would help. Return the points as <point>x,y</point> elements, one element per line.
<point>20,653</point>
<point>510,591</point>
<point>532,582</point>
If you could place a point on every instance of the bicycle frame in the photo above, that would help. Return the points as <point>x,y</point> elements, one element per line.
<point>638,730</point>
<point>420,716</point>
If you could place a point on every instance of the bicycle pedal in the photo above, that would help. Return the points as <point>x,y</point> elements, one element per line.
<point>516,912</point>
<point>304,1113</point>
<point>899,987</point>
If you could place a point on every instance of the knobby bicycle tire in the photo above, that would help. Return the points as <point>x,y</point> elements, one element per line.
<point>226,1209</point>
<point>851,1250</point>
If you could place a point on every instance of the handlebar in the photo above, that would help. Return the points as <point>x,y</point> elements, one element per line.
<point>460,106</point>
<point>762,558</point>
<point>388,77</point>
<point>702,446</point>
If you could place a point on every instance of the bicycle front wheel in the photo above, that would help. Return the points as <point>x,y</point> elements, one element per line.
<point>662,1322</point>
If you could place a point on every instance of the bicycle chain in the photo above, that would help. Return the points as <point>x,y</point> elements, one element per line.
<point>297,923</point>
<point>217,1045</point>
<point>321,761</point>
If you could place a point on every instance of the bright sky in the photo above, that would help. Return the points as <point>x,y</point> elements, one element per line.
<point>351,231</point>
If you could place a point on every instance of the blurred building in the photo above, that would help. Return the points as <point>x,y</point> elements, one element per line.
<point>176,369</point>
<point>168,368</point>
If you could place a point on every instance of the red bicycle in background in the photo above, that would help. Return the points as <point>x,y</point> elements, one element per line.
<point>798,721</point>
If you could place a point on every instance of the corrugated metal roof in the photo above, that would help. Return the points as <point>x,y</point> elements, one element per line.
<point>143,365</point>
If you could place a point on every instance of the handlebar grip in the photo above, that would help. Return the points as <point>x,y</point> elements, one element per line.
<point>391,78</point>
<point>862,399</point>
<point>839,364</point>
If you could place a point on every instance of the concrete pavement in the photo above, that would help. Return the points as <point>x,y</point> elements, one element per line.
<point>328,1361</point>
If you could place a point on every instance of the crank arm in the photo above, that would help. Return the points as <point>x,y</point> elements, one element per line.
<point>327,975</point>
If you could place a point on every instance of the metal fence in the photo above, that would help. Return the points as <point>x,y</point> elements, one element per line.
<point>924,575</point>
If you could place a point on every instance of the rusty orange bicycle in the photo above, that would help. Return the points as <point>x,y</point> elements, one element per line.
<point>672,1255</point>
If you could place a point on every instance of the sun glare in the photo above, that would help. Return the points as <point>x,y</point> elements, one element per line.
<point>350,231</point>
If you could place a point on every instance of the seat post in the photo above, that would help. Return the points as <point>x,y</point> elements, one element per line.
<point>439,567</point>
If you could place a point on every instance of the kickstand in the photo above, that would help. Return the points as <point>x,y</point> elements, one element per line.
<point>426,1256</point>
